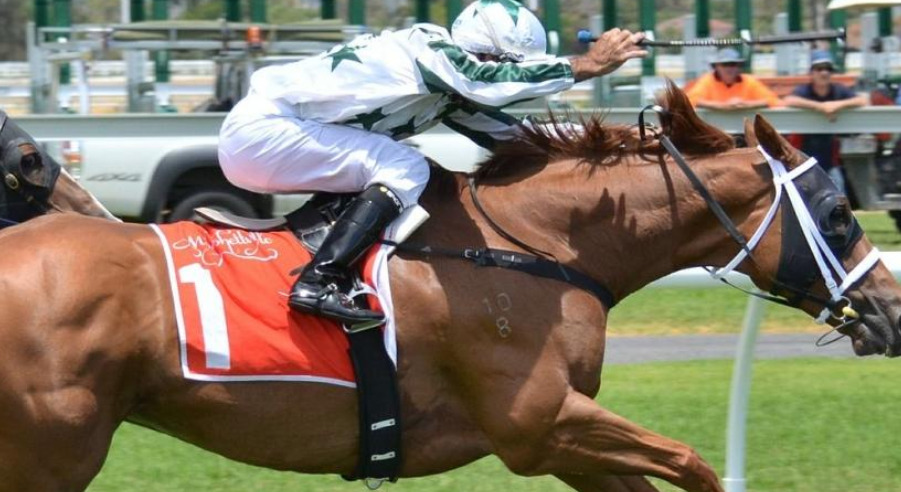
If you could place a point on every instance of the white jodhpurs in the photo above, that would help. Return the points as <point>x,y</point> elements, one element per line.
<point>262,151</point>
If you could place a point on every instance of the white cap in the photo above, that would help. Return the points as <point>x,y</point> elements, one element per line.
<point>502,28</point>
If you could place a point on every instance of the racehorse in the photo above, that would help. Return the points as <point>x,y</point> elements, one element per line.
<point>34,183</point>
<point>491,361</point>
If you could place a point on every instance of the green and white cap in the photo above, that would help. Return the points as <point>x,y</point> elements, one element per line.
<point>502,28</point>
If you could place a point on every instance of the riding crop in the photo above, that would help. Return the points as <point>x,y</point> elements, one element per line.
<point>585,36</point>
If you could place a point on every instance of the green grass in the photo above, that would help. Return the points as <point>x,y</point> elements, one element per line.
<point>816,425</point>
<point>880,229</point>
<point>697,311</point>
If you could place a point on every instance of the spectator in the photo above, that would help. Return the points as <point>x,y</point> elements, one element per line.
<point>726,88</point>
<point>827,97</point>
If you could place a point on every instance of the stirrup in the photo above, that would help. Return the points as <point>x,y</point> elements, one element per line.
<point>331,296</point>
<point>363,326</point>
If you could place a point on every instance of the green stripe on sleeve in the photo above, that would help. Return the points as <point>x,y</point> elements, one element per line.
<point>433,82</point>
<point>529,72</point>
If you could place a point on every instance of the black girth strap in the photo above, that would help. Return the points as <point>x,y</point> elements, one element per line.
<point>379,407</point>
<point>511,260</point>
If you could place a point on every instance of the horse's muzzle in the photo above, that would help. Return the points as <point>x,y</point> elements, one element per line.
<point>875,335</point>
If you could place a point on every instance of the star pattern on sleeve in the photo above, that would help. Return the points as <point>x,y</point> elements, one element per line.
<point>345,53</point>
<point>368,119</point>
<point>405,130</point>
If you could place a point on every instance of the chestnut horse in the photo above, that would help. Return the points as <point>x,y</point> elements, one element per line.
<point>491,361</point>
<point>34,183</point>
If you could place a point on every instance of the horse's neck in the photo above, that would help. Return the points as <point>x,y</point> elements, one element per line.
<point>625,225</point>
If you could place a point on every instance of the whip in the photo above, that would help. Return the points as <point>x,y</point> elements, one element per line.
<point>585,36</point>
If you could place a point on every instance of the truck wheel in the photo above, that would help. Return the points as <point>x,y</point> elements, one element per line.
<point>219,200</point>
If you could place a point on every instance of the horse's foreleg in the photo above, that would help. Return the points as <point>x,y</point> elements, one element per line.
<point>607,483</point>
<point>589,439</point>
<point>52,441</point>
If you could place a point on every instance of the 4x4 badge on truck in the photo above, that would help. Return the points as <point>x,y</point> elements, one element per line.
<point>131,177</point>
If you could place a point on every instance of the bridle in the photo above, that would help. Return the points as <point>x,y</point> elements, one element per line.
<point>826,257</point>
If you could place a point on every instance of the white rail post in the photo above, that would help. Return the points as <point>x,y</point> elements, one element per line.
<point>740,393</point>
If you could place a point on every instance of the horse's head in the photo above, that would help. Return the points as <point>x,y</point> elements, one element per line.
<point>34,183</point>
<point>822,261</point>
<point>767,211</point>
<point>803,244</point>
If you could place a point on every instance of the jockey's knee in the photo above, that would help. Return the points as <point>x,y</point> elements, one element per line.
<point>406,176</point>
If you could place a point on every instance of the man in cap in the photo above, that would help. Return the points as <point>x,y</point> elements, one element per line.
<point>332,122</point>
<point>827,97</point>
<point>726,88</point>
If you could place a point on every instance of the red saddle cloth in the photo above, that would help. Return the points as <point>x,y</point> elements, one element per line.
<point>230,290</point>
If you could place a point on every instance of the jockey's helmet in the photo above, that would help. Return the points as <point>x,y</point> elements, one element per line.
<point>502,28</point>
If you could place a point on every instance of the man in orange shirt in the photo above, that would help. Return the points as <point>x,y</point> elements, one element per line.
<point>726,88</point>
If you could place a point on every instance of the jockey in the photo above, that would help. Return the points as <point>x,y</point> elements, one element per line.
<point>332,122</point>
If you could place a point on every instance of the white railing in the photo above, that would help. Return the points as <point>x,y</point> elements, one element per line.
<point>873,119</point>
<point>734,479</point>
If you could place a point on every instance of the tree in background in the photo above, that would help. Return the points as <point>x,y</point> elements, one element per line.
<point>15,14</point>
<point>95,11</point>
<point>382,14</point>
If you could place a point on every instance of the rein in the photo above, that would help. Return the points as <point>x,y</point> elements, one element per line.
<point>822,254</point>
<point>500,230</point>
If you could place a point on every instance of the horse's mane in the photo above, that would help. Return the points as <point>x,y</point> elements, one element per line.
<point>602,144</point>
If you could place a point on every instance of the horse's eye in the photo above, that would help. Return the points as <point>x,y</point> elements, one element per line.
<point>840,219</point>
<point>31,165</point>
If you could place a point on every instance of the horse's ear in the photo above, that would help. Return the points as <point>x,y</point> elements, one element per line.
<point>774,144</point>
<point>750,134</point>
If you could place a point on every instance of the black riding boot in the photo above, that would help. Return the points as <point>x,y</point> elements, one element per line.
<point>320,289</point>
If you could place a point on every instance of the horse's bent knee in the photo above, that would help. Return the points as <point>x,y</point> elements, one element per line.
<point>522,461</point>
<point>527,453</point>
<point>523,447</point>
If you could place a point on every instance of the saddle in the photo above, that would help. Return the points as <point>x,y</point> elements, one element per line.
<point>310,223</point>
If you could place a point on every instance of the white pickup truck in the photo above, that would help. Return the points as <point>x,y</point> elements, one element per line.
<point>163,180</point>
